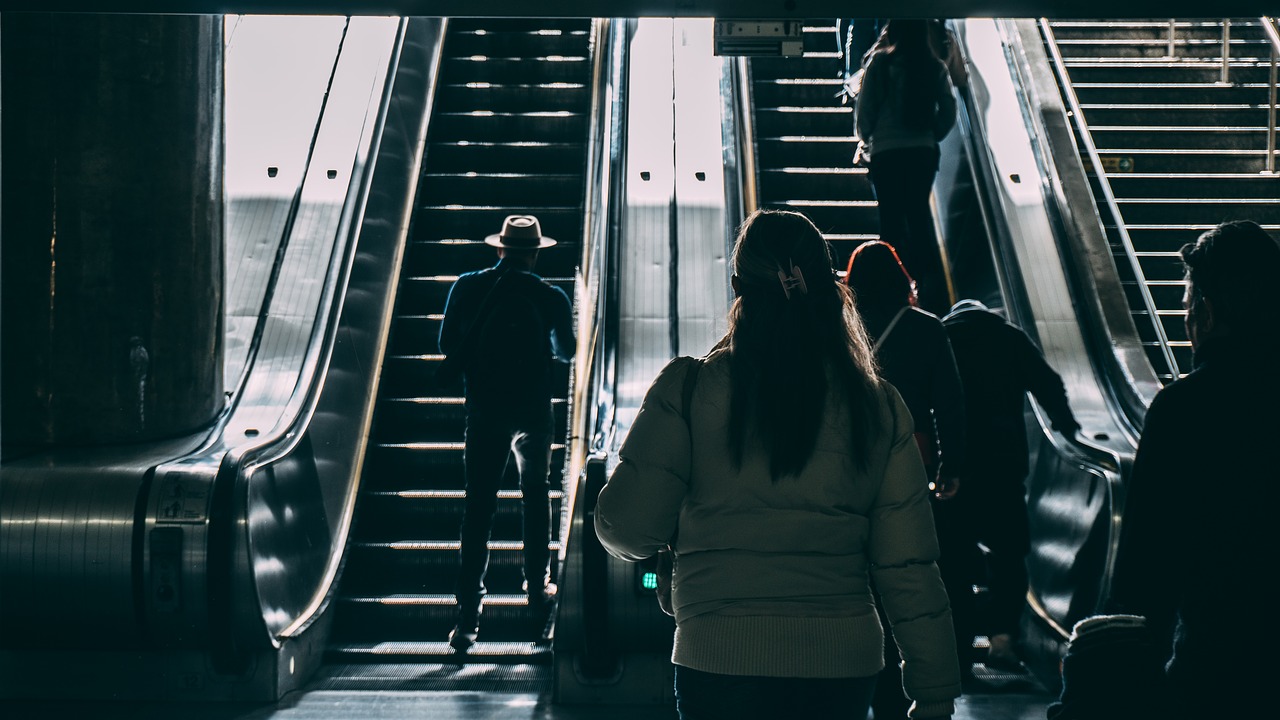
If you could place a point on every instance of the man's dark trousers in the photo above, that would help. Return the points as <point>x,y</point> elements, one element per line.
<point>491,438</point>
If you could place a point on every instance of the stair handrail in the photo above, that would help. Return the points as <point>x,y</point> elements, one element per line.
<point>1095,159</point>
<point>746,136</point>
<point>1225,79</point>
<point>1270,29</point>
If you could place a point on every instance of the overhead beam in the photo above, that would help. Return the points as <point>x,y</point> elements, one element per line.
<point>728,9</point>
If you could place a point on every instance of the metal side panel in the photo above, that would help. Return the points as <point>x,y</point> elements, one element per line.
<point>703,295</point>
<point>1073,487</point>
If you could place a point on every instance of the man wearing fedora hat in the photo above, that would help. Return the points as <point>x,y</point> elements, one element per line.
<point>508,326</point>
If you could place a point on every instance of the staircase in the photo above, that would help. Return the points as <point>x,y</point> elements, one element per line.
<point>507,135</point>
<point>1181,148</point>
<point>804,142</point>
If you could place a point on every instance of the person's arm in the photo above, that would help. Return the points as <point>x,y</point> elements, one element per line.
<point>867,109</point>
<point>946,117</point>
<point>564,343</point>
<point>903,553</point>
<point>1148,554</point>
<point>956,67</point>
<point>457,309</point>
<point>638,509</point>
<point>1046,387</point>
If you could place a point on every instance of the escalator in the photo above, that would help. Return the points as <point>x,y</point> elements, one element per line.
<point>508,134</point>
<point>1126,141</point>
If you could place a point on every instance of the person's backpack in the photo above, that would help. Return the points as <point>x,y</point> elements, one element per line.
<point>513,339</point>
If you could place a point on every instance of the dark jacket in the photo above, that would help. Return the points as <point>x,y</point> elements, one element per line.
<point>916,358</point>
<point>489,384</point>
<point>998,366</point>
<point>1196,553</point>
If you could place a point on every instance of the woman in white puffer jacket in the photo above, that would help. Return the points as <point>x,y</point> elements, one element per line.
<point>795,481</point>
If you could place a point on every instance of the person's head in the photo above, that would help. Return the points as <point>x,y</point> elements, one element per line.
<point>907,45</point>
<point>879,280</point>
<point>905,35</point>
<point>790,323</point>
<point>520,240</point>
<point>1230,271</point>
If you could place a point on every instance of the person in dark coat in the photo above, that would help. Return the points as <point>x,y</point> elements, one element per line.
<point>1196,550</point>
<point>509,326</point>
<point>914,354</point>
<point>906,106</point>
<point>999,365</point>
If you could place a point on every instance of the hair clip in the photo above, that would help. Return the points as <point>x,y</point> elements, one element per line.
<point>794,281</point>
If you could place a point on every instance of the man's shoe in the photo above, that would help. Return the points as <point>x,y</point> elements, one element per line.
<point>464,634</point>
<point>1001,654</point>
<point>546,597</point>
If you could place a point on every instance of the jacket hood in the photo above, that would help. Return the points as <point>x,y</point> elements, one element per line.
<point>972,311</point>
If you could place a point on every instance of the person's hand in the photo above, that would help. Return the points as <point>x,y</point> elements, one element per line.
<point>946,487</point>
<point>664,572</point>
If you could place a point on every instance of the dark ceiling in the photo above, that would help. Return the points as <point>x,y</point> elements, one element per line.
<point>671,8</point>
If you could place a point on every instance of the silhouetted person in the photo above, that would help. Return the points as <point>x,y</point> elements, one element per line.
<point>946,46</point>
<point>795,482</point>
<point>905,107</point>
<point>999,365</point>
<point>914,354</point>
<point>504,326</point>
<point>1196,553</point>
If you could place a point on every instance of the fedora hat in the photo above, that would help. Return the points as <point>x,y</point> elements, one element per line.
<point>520,232</point>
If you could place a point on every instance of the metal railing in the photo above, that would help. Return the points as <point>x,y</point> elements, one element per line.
<point>1272,31</point>
<point>1172,53</point>
<point>1095,159</point>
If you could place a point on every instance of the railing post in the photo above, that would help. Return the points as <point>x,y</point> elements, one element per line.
<point>1172,30</point>
<point>1226,51</point>
<point>1271,113</point>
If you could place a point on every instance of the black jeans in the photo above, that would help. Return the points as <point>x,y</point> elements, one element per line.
<point>903,183</point>
<point>490,441</point>
<point>711,696</point>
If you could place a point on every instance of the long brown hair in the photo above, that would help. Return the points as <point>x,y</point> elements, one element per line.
<point>790,324</point>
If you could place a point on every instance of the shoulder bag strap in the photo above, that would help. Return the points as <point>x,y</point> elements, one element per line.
<point>892,324</point>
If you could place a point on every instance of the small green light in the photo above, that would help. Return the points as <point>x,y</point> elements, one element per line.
<point>649,581</point>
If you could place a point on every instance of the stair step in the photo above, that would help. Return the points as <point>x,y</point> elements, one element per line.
<point>481,652</point>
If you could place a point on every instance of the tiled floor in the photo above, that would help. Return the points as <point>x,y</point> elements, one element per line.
<point>338,695</point>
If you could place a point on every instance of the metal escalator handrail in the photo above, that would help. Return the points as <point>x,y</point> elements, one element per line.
<point>594,253</point>
<point>592,411</point>
<point>1270,29</point>
<point>746,137</point>
<point>1086,136</point>
<point>236,621</point>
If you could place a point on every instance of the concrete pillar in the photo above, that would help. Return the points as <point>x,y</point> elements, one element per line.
<point>111,259</point>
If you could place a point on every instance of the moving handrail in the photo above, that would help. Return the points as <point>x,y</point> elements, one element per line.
<point>582,604</point>
<point>746,135</point>
<point>1113,207</point>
